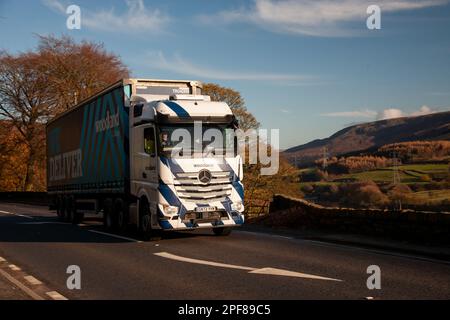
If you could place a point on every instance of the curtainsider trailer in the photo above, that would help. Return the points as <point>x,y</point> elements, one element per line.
<point>123,153</point>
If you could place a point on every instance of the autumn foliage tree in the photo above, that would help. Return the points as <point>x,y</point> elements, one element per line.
<point>237,104</point>
<point>25,104</point>
<point>259,189</point>
<point>77,70</point>
<point>37,85</point>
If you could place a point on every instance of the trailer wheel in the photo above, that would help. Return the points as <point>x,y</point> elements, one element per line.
<point>121,214</point>
<point>76,216</point>
<point>224,231</point>
<point>109,220</point>
<point>60,208</point>
<point>70,208</point>
<point>145,224</point>
<point>66,209</point>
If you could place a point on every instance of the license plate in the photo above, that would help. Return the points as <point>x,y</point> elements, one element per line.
<point>205,209</point>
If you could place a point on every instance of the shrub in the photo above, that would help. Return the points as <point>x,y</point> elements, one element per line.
<point>363,194</point>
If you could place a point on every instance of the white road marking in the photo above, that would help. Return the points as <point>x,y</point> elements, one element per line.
<point>2,259</point>
<point>22,287</point>
<point>24,216</point>
<point>266,234</point>
<point>56,295</point>
<point>32,280</point>
<point>354,247</point>
<point>13,267</point>
<point>204,262</point>
<point>287,273</point>
<point>115,236</point>
<point>16,214</point>
<point>267,271</point>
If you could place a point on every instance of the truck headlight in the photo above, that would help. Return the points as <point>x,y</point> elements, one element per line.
<point>237,206</point>
<point>170,210</point>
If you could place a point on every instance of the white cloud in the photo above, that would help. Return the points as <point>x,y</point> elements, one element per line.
<point>177,64</point>
<point>313,17</point>
<point>389,113</point>
<point>352,114</point>
<point>136,18</point>
<point>424,110</point>
<point>55,5</point>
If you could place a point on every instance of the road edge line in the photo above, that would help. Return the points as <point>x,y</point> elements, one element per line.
<point>21,286</point>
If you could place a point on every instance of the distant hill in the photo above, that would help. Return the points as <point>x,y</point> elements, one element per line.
<point>371,135</point>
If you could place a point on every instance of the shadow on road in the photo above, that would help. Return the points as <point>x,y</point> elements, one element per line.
<point>50,229</point>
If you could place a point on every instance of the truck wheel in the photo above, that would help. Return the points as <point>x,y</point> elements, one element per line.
<point>70,209</point>
<point>222,231</point>
<point>77,217</point>
<point>109,221</point>
<point>145,224</point>
<point>60,208</point>
<point>66,209</point>
<point>121,214</point>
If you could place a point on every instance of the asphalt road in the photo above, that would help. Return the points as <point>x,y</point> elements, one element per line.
<point>199,265</point>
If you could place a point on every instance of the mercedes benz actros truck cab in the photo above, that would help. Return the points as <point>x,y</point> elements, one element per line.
<point>139,154</point>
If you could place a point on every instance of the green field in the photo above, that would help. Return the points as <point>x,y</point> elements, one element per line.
<point>421,176</point>
<point>414,173</point>
<point>432,195</point>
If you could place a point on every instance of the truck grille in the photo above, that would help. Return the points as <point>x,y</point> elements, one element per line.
<point>189,188</point>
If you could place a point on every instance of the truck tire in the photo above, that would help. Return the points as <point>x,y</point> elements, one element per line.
<point>109,219</point>
<point>223,231</point>
<point>77,216</point>
<point>66,209</point>
<point>121,214</point>
<point>60,208</point>
<point>70,209</point>
<point>145,225</point>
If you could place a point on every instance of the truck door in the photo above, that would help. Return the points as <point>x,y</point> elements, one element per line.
<point>144,155</point>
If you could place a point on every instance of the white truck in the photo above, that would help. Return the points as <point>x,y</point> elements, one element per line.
<point>116,154</point>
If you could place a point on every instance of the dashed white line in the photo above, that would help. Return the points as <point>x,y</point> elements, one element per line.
<point>32,280</point>
<point>56,295</point>
<point>115,236</point>
<point>16,214</point>
<point>13,267</point>
<point>266,271</point>
<point>22,287</point>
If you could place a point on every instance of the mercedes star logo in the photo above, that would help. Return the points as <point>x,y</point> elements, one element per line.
<point>204,176</point>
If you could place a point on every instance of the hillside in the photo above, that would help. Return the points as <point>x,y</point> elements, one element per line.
<point>372,135</point>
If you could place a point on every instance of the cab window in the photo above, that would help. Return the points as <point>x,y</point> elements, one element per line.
<point>149,141</point>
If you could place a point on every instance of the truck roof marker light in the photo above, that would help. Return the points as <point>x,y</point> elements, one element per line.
<point>190,97</point>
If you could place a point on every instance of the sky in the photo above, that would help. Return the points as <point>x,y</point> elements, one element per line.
<point>308,68</point>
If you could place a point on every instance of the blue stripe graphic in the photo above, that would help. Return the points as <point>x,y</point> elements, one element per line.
<point>179,110</point>
<point>240,190</point>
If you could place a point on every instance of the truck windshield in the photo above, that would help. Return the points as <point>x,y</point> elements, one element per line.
<point>178,139</point>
